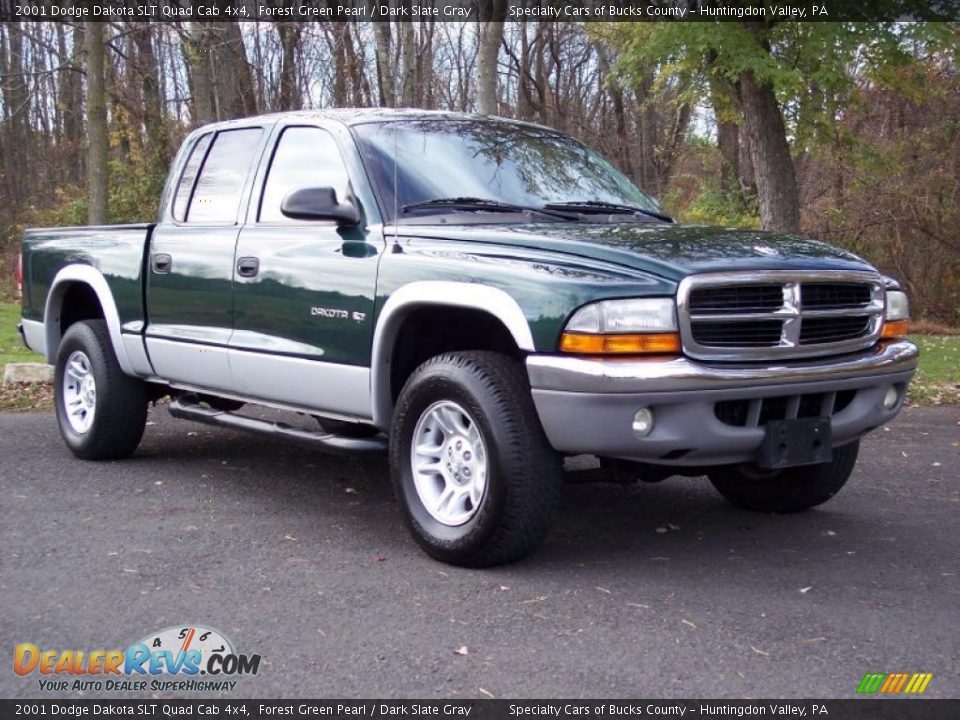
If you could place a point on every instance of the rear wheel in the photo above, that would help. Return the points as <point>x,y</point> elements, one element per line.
<point>101,411</point>
<point>475,475</point>
<point>786,491</point>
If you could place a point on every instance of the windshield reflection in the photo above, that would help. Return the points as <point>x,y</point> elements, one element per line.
<point>413,161</point>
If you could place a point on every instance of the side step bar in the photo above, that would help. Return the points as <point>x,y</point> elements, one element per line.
<point>325,442</point>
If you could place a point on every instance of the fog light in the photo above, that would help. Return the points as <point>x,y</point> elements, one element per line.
<point>891,397</point>
<point>643,422</point>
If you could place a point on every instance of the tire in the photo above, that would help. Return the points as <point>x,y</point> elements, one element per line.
<point>110,423</point>
<point>511,477</point>
<point>790,490</point>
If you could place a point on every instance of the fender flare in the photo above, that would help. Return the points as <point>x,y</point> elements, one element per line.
<point>93,278</point>
<point>425,293</point>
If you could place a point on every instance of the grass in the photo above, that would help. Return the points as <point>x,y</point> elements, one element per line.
<point>936,383</point>
<point>12,349</point>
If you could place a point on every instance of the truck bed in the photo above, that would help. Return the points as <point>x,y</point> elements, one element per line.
<point>117,251</point>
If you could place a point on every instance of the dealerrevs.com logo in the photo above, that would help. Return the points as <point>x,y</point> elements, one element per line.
<point>182,658</point>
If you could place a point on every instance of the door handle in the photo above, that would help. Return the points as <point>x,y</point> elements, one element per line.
<point>162,263</point>
<point>248,266</point>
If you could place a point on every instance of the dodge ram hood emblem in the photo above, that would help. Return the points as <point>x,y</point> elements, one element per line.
<point>765,250</point>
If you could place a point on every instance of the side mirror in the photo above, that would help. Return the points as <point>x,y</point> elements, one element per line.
<point>319,204</point>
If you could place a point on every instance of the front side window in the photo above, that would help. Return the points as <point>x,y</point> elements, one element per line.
<point>219,188</point>
<point>414,161</point>
<point>306,157</point>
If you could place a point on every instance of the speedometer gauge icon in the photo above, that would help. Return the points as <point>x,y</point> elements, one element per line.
<point>184,638</point>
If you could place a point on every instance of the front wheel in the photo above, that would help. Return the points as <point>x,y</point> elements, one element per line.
<point>101,411</point>
<point>786,491</point>
<point>474,473</point>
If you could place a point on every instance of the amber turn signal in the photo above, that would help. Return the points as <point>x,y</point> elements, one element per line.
<point>646,343</point>
<point>894,329</point>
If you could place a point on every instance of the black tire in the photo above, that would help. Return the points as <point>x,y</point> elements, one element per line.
<point>786,491</point>
<point>523,473</point>
<point>120,408</point>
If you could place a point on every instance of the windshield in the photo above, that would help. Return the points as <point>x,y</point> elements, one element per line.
<point>482,159</point>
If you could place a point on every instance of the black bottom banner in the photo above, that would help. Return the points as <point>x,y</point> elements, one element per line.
<point>854,709</point>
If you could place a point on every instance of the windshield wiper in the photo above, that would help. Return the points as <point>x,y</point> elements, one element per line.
<point>471,204</point>
<point>599,207</point>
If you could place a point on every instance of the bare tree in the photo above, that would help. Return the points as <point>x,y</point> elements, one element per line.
<point>408,55</point>
<point>98,148</point>
<point>385,73</point>
<point>493,13</point>
<point>289,33</point>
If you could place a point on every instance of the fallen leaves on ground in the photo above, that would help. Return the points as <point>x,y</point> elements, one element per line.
<point>26,396</point>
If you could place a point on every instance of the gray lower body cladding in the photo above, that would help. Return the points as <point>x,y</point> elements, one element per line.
<point>714,422</point>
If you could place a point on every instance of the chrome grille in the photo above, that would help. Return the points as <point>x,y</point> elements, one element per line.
<point>779,314</point>
<point>828,296</point>
<point>736,298</point>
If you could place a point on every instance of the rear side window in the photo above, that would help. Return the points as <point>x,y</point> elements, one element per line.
<point>219,188</point>
<point>306,157</point>
<point>185,187</point>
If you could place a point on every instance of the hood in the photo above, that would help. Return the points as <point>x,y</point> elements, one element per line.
<point>670,251</point>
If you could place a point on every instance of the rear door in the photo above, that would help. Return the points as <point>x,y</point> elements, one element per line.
<point>304,290</point>
<point>191,260</point>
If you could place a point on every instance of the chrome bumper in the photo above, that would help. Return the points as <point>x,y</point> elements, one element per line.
<point>577,374</point>
<point>587,406</point>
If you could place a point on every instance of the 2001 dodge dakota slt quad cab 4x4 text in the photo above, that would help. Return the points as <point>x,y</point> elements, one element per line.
<point>479,297</point>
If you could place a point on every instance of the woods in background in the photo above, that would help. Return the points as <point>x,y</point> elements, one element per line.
<point>848,132</point>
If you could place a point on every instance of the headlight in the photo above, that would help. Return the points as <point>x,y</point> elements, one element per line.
<point>634,326</point>
<point>896,322</point>
<point>898,307</point>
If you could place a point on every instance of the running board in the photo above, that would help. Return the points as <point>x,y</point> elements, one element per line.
<point>319,440</point>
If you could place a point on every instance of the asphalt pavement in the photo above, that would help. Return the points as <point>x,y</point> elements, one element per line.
<point>658,590</point>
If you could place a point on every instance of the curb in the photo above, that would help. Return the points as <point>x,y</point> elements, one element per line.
<point>27,373</point>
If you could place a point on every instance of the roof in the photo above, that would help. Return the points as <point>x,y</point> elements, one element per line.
<point>359,116</point>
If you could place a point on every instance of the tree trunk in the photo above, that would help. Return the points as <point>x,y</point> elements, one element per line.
<point>748,178</point>
<point>289,46</point>
<point>96,124</point>
<point>157,143</point>
<point>360,88</point>
<point>381,35</point>
<point>492,16</point>
<point>408,49</point>
<point>233,83</point>
<point>728,142</point>
<point>73,96</point>
<point>612,85</point>
<point>16,109</point>
<point>426,85</point>
<point>196,49</point>
<point>667,159</point>
<point>776,180</point>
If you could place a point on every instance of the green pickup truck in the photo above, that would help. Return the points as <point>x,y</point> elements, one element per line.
<point>477,297</point>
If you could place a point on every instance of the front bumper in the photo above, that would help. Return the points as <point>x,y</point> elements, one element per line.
<point>587,405</point>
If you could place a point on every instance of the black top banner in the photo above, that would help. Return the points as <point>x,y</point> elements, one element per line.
<point>479,10</point>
